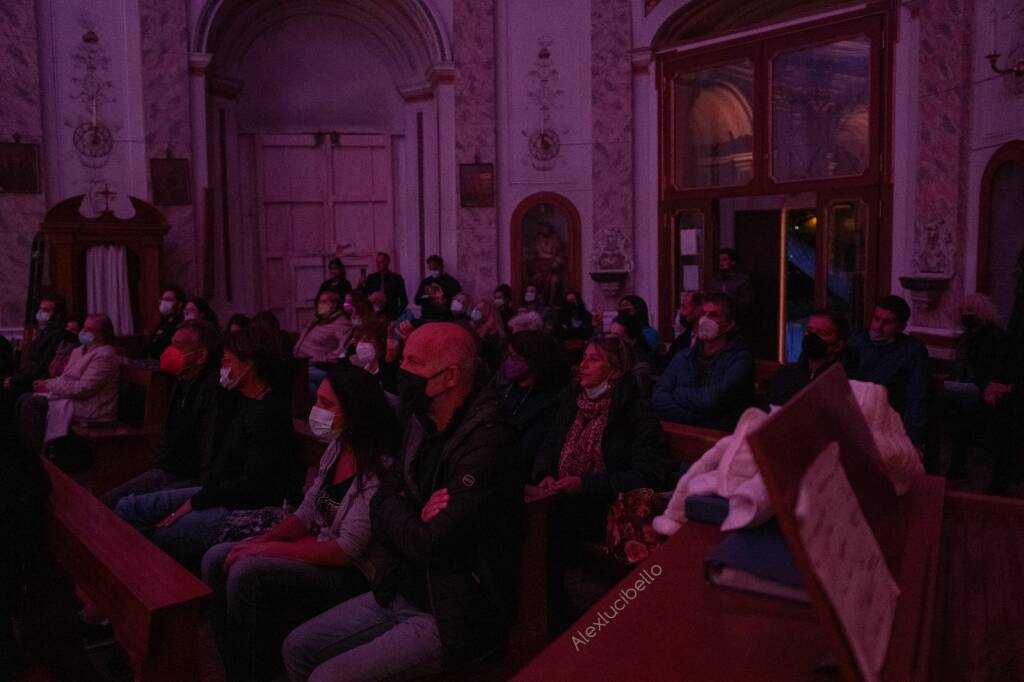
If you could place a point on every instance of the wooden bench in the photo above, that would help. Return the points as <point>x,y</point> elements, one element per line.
<point>687,444</point>
<point>123,450</point>
<point>153,603</point>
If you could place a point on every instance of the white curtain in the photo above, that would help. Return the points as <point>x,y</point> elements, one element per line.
<point>106,286</point>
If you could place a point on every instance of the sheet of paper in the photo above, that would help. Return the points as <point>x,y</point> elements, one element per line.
<point>847,560</point>
<point>688,242</point>
<point>691,277</point>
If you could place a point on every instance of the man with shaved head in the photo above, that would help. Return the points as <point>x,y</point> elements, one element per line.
<point>451,514</point>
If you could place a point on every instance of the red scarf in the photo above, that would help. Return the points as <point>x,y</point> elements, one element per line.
<point>581,452</point>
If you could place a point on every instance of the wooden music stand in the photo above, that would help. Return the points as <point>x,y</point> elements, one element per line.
<point>906,528</point>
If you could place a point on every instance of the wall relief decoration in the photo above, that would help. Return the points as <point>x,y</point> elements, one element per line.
<point>613,250</point>
<point>92,137</point>
<point>543,140</point>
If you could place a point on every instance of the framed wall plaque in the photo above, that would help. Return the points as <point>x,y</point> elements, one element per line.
<point>19,167</point>
<point>476,184</point>
<point>171,182</point>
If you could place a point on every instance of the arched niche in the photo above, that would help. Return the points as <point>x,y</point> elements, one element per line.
<point>546,246</point>
<point>1000,232</point>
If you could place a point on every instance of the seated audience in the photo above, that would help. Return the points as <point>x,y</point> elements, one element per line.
<point>72,328</point>
<point>461,306</point>
<point>268,320</point>
<point>688,316</point>
<point>535,372</point>
<point>532,300</point>
<point>86,389</point>
<point>575,321</point>
<point>526,320</point>
<point>390,285</point>
<point>712,383</point>
<point>325,339</point>
<point>824,344</point>
<point>490,332</point>
<point>637,307</point>
<point>983,355</point>
<point>369,350</point>
<point>337,282</point>
<point>250,468</point>
<point>887,356</point>
<point>605,440</point>
<point>172,306</point>
<point>435,291</point>
<point>627,327</point>
<point>357,308</point>
<point>194,414</point>
<point>503,301</point>
<point>450,512</point>
<point>49,333</point>
<point>199,309</point>
<point>309,560</point>
<point>236,323</point>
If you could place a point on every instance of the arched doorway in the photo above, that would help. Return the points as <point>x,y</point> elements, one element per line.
<point>1001,230</point>
<point>772,143</point>
<point>322,126</point>
<point>546,246</point>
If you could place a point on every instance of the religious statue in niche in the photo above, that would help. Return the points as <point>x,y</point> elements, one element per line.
<point>545,239</point>
<point>92,138</point>
<point>543,142</point>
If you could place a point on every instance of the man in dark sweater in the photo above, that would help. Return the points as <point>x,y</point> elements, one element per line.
<point>710,384</point>
<point>194,414</point>
<point>388,283</point>
<point>48,334</point>
<point>431,309</point>
<point>452,515</point>
<point>824,345</point>
<point>172,307</point>
<point>887,356</point>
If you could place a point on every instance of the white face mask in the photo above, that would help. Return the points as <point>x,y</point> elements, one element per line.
<point>530,297</point>
<point>595,392</point>
<point>42,317</point>
<point>227,382</point>
<point>476,315</point>
<point>499,301</point>
<point>433,273</point>
<point>457,307</point>
<point>166,307</point>
<point>86,338</point>
<point>321,422</point>
<point>708,329</point>
<point>191,316</point>
<point>365,353</point>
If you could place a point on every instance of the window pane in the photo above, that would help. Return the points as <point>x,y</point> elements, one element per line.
<point>689,226</point>
<point>801,262</point>
<point>820,102</point>
<point>714,127</point>
<point>846,259</point>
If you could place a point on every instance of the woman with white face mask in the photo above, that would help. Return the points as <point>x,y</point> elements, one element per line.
<point>307,560</point>
<point>605,440</point>
<point>368,351</point>
<point>171,307</point>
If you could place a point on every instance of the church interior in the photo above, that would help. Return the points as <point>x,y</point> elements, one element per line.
<point>512,339</point>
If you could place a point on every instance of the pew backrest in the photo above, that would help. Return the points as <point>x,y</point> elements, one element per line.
<point>686,444</point>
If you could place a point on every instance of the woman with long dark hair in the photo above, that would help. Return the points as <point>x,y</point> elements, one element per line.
<point>307,560</point>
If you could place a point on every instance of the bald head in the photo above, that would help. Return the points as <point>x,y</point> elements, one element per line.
<point>438,346</point>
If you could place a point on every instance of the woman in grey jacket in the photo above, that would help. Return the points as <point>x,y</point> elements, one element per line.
<point>311,559</point>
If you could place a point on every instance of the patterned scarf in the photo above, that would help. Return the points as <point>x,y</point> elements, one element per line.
<point>581,452</point>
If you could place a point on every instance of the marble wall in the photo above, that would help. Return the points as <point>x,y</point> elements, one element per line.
<point>944,125</point>
<point>165,90</point>
<point>20,114</point>
<point>475,139</point>
<point>612,101</point>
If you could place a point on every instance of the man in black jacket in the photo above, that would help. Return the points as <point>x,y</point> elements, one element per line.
<point>451,514</point>
<point>194,415</point>
<point>388,283</point>
<point>49,333</point>
<point>431,309</point>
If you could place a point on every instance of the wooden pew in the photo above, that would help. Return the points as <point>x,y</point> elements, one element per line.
<point>153,603</point>
<point>125,449</point>
<point>687,444</point>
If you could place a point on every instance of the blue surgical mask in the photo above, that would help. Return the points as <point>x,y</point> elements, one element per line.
<point>476,315</point>
<point>86,338</point>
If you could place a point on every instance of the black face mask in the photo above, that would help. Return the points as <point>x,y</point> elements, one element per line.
<point>968,322</point>
<point>815,347</point>
<point>412,391</point>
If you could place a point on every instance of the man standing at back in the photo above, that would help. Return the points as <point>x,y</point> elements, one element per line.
<point>897,361</point>
<point>735,284</point>
<point>388,283</point>
<point>432,309</point>
<point>452,516</point>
